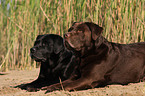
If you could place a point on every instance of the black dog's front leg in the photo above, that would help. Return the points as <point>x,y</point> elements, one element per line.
<point>41,81</point>
<point>33,86</point>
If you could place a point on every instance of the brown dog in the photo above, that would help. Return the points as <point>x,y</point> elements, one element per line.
<point>101,62</point>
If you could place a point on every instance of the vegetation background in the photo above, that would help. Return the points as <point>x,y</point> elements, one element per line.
<point>22,20</point>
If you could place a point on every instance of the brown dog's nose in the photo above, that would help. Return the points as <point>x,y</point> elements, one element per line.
<point>66,35</point>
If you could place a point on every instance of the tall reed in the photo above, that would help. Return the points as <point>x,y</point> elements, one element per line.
<point>22,20</point>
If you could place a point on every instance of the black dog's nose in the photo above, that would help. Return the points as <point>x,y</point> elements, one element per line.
<point>32,50</point>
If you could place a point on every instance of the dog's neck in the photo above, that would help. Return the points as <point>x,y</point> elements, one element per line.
<point>99,41</point>
<point>101,46</point>
<point>97,47</point>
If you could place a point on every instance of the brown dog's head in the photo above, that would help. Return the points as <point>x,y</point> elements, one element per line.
<point>81,35</point>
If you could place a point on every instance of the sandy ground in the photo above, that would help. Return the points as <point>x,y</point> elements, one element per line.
<point>13,78</point>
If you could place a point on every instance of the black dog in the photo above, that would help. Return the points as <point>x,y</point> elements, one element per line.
<point>101,62</point>
<point>56,61</point>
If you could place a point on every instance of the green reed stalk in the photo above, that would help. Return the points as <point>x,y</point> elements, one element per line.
<point>22,20</point>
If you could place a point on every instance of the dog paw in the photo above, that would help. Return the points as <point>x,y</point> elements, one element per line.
<point>50,89</point>
<point>31,89</point>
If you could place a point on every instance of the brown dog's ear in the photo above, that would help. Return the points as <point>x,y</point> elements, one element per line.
<point>95,29</point>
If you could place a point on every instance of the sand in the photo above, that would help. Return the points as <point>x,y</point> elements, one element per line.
<point>10,79</point>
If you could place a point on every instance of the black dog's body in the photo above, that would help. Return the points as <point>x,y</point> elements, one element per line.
<point>101,62</point>
<point>56,61</point>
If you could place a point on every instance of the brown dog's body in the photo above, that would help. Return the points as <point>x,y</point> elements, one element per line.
<point>101,62</point>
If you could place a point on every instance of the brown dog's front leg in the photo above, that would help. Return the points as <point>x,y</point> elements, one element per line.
<point>57,86</point>
<point>81,83</point>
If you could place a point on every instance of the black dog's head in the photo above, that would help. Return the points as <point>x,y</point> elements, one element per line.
<point>45,45</point>
<point>80,35</point>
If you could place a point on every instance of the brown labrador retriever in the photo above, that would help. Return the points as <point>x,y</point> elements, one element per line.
<point>101,62</point>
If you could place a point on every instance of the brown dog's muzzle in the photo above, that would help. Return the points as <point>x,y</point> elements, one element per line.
<point>68,41</point>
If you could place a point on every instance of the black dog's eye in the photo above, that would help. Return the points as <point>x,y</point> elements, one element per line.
<point>44,43</point>
<point>70,29</point>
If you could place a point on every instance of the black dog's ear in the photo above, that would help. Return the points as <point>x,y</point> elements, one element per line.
<point>39,36</point>
<point>58,45</point>
<point>95,29</point>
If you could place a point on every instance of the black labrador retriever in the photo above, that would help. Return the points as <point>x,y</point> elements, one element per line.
<point>101,62</point>
<point>56,61</point>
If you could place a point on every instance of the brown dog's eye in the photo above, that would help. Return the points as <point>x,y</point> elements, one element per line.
<point>80,31</point>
